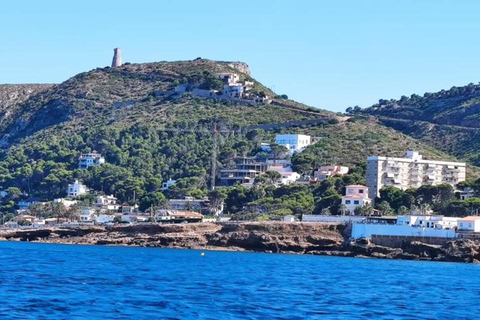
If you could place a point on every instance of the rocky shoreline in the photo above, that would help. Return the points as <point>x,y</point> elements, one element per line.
<point>274,237</point>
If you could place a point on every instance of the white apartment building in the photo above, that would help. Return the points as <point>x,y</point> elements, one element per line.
<point>87,160</point>
<point>294,142</point>
<point>355,196</point>
<point>411,172</point>
<point>76,189</point>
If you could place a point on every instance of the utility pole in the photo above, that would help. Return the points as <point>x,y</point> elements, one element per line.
<point>215,131</point>
<point>214,156</point>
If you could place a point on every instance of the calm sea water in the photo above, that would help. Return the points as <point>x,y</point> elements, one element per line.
<point>46,281</point>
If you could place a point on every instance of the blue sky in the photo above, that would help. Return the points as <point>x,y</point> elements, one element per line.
<point>328,54</point>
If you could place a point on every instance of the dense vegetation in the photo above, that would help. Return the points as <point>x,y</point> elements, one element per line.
<point>149,134</point>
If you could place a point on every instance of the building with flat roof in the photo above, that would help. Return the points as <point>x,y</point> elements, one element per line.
<point>411,172</point>
<point>86,160</point>
<point>247,169</point>
<point>293,142</point>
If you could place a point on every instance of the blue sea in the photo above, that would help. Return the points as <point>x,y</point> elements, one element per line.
<point>50,281</point>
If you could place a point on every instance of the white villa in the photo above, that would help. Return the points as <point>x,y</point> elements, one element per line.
<point>107,203</point>
<point>87,160</point>
<point>355,196</point>
<point>294,142</point>
<point>76,189</point>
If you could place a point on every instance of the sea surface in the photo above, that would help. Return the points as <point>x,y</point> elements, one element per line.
<point>50,281</point>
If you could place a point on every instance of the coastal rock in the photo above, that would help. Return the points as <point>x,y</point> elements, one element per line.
<point>272,237</point>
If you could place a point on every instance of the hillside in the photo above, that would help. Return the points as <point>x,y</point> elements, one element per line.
<point>448,120</point>
<point>123,113</point>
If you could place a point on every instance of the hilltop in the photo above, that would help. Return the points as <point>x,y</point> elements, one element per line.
<point>123,112</point>
<point>448,120</point>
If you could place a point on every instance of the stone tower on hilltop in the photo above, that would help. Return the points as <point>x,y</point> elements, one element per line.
<point>117,58</point>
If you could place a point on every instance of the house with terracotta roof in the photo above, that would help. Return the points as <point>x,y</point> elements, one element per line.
<point>356,196</point>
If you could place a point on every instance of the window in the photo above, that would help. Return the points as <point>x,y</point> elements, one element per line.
<point>360,191</point>
<point>347,201</point>
<point>356,202</point>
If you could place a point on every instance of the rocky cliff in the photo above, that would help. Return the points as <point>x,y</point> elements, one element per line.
<point>11,94</point>
<point>274,237</point>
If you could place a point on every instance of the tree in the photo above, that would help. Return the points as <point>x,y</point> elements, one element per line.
<point>402,210</point>
<point>13,193</point>
<point>216,201</point>
<point>385,208</point>
<point>343,209</point>
<point>273,177</point>
<point>424,208</point>
<point>277,151</point>
<point>365,210</point>
<point>393,196</point>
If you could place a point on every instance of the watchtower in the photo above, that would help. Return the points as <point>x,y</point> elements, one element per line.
<point>117,58</point>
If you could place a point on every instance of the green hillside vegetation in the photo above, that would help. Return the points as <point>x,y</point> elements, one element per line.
<point>128,113</point>
<point>448,120</point>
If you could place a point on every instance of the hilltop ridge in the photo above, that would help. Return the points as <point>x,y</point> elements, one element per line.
<point>448,120</point>
<point>122,113</point>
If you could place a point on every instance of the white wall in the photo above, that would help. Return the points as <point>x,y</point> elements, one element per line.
<point>367,230</point>
<point>323,218</point>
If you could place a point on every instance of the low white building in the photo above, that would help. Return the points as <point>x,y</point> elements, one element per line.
<point>65,202</point>
<point>126,209</point>
<point>287,175</point>
<point>233,90</point>
<point>326,172</point>
<point>86,160</point>
<point>104,218</point>
<point>367,230</point>
<point>289,218</point>
<point>428,221</point>
<point>229,78</point>
<point>107,203</point>
<point>469,224</point>
<point>88,214</point>
<point>76,189</point>
<point>356,196</point>
<point>293,142</point>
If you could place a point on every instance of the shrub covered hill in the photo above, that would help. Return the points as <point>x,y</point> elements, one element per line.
<point>448,120</point>
<point>131,115</point>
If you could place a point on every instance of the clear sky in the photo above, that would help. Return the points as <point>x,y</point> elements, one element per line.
<point>328,54</point>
